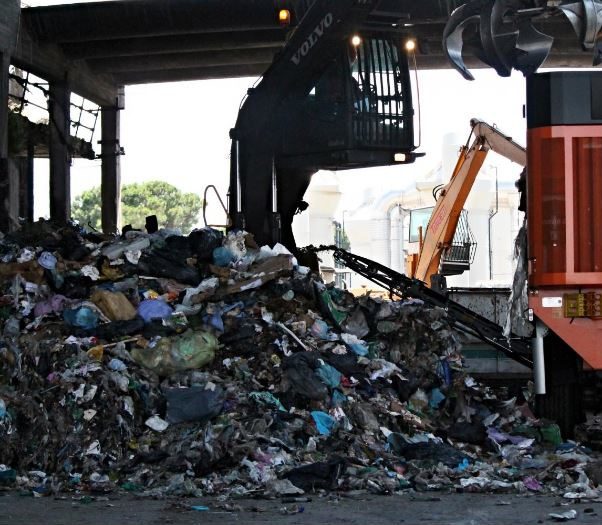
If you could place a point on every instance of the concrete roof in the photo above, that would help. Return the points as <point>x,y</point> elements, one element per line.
<point>102,45</point>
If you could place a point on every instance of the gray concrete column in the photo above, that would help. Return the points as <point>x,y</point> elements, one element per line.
<point>111,169</point>
<point>5,182</point>
<point>60,156</point>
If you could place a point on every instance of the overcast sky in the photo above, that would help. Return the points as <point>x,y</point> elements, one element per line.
<point>179,132</point>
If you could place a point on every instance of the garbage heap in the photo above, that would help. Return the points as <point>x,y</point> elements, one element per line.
<point>196,365</point>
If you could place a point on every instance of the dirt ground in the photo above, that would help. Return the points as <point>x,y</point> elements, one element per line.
<point>431,508</point>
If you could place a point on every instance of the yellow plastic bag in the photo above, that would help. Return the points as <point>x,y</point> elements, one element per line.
<point>114,305</point>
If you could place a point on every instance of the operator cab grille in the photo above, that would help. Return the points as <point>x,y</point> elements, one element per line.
<point>381,109</point>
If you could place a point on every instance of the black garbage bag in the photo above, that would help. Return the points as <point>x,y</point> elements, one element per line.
<point>426,451</point>
<point>72,246</point>
<point>202,242</point>
<point>346,364</point>
<point>474,432</point>
<point>299,371</point>
<point>405,389</point>
<point>180,245</point>
<point>156,328</point>
<point>71,286</point>
<point>115,329</point>
<point>171,265</point>
<point>193,404</point>
<point>321,475</point>
<point>152,457</point>
<point>242,331</point>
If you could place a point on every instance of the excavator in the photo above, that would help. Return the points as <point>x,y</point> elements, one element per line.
<point>441,252</point>
<point>339,96</point>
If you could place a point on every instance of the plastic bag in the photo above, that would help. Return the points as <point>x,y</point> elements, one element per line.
<point>83,317</point>
<point>173,354</point>
<point>267,399</point>
<point>324,422</point>
<point>235,244</point>
<point>193,404</point>
<point>222,256</point>
<point>329,375</point>
<point>202,242</point>
<point>53,305</point>
<point>114,305</point>
<point>154,309</point>
<point>321,330</point>
<point>356,345</point>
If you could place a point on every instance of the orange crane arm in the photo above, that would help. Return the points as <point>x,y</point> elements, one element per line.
<point>450,202</point>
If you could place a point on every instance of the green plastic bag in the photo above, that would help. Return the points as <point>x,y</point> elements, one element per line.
<point>191,350</point>
<point>551,434</point>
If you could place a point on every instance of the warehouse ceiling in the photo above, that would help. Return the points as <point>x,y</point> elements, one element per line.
<point>144,41</point>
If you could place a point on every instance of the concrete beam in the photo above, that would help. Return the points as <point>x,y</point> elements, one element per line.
<point>183,60</point>
<point>129,47</point>
<point>146,18</point>
<point>60,157</point>
<point>204,73</point>
<point>110,187</point>
<point>50,63</point>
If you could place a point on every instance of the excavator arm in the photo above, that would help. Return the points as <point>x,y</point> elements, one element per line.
<point>452,197</point>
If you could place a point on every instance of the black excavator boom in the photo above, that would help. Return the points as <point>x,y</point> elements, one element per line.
<point>460,317</point>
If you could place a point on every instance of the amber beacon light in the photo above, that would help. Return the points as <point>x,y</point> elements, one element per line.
<point>284,17</point>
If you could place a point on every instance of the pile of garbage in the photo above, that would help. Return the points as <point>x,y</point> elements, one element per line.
<point>206,365</point>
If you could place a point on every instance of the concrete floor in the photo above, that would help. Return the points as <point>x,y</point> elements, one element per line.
<point>431,508</point>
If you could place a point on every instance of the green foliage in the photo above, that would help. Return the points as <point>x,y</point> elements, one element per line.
<point>173,208</point>
<point>344,241</point>
<point>341,240</point>
<point>86,208</point>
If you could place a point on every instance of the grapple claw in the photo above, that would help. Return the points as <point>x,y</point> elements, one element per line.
<point>453,35</point>
<point>532,48</point>
<point>586,18</point>
<point>506,37</point>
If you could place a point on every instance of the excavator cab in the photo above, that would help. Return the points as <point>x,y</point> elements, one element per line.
<point>359,111</point>
<point>459,255</point>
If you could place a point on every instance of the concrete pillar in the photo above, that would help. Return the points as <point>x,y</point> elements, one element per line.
<point>396,238</point>
<point>4,176</point>
<point>111,169</point>
<point>60,156</point>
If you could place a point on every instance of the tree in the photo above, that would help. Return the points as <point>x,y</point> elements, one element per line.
<point>173,208</point>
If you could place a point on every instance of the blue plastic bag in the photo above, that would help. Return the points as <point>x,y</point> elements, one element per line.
<point>324,423</point>
<point>436,398</point>
<point>222,256</point>
<point>329,375</point>
<point>338,398</point>
<point>154,309</point>
<point>83,317</point>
